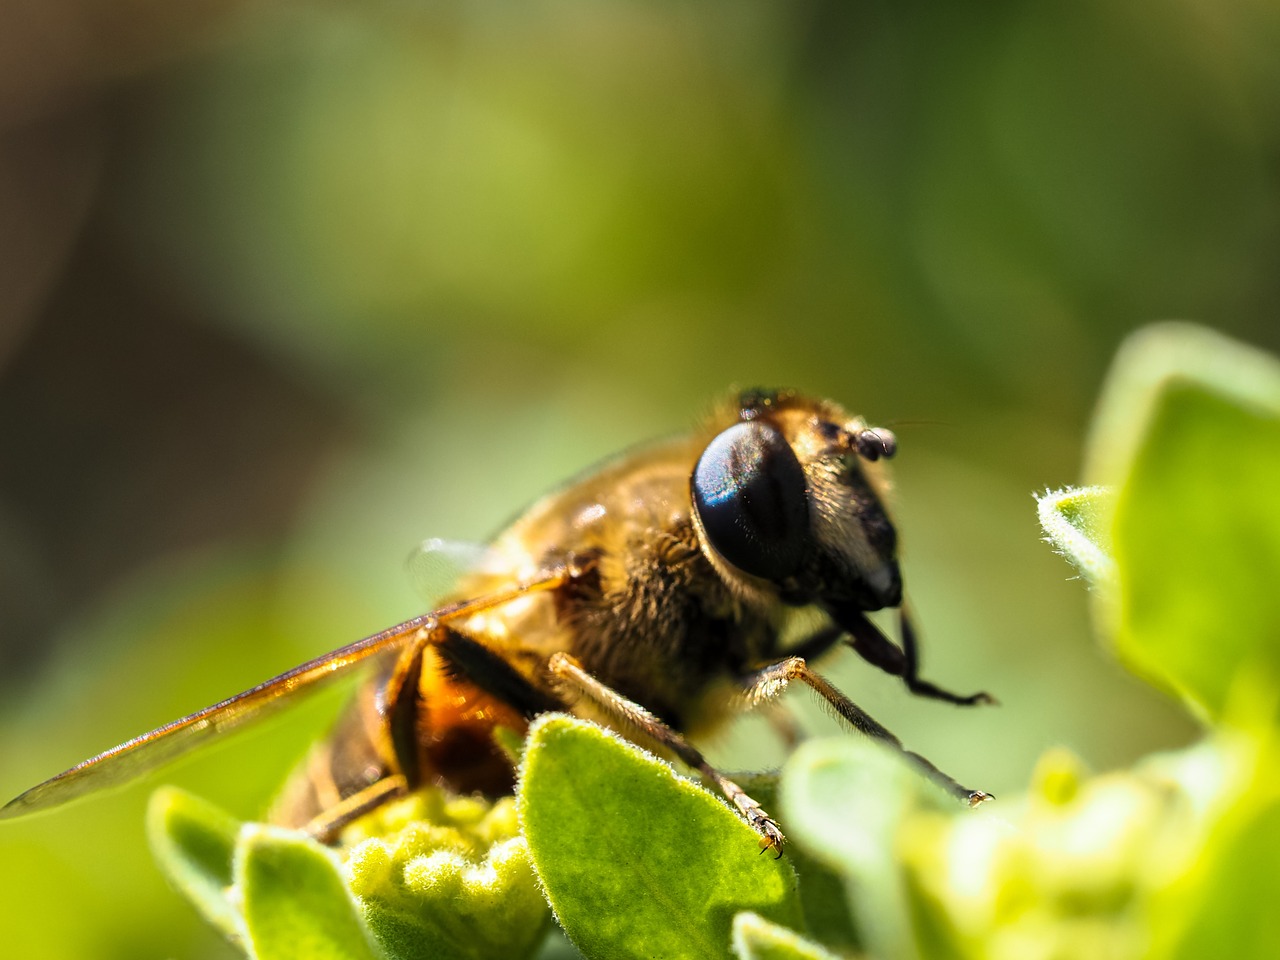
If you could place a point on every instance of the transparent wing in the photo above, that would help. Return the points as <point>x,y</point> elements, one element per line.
<point>436,565</point>
<point>143,754</point>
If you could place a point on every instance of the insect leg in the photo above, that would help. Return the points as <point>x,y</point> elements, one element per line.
<point>574,678</point>
<point>811,647</point>
<point>394,741</point>
<point>400,707</point>
<point>877,649</point>
<point>923,687</point>
<point>325,825</point>
<point>470,660</point>
<point>770,682</point>
<point>401,699</point>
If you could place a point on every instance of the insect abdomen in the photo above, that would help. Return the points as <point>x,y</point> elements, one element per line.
<point>454,739</point>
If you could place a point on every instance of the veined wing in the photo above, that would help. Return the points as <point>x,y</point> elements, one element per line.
<point>143,754</point>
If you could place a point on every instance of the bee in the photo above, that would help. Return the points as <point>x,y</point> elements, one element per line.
<point>653,594</point>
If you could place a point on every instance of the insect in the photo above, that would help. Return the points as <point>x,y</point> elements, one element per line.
<point>652,594</point>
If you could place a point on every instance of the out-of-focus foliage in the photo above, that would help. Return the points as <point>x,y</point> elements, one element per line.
<point>295,904</point>
<point>194,844</point>
<point>285,289</point>
<point>1170,860</point>
<point>1189,432</point>
<point>1153,862</point>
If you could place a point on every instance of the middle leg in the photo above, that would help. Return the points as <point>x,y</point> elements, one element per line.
<point>770,682</point>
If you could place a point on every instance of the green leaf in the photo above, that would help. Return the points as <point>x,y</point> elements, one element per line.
<point>193,842</point>
<point>454,882</point>
<point>1075,522</point>
<point>755,938</point>
<point>296,904</point>
<point>1188,432</point>
<point>636,861</point>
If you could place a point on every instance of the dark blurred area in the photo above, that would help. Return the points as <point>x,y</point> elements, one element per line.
<point>134,431</point>
<point>285,288</point>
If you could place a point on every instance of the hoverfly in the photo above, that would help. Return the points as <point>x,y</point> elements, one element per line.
<point>652,595</point>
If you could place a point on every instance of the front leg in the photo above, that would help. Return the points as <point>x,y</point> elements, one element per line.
<point>923,687</point>
<point>877,649</point>
<point>573,678</point>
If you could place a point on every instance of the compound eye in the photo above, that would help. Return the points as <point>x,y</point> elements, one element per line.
<point>751,497</point>
<point>876,442</point>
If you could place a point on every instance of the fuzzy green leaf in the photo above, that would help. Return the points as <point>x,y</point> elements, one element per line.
<point>194,842</point>
<point>1075,522</point>
<point>755,938</point>
<point>636,861</point>
<point>454,883</point>
<point>1188,432</point>
<point>296,903</point>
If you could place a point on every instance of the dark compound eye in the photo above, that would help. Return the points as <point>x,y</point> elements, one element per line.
<point>750,494</point>
<point>876,442</point>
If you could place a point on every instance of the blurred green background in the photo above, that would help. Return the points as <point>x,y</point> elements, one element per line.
<point>285,288</point>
